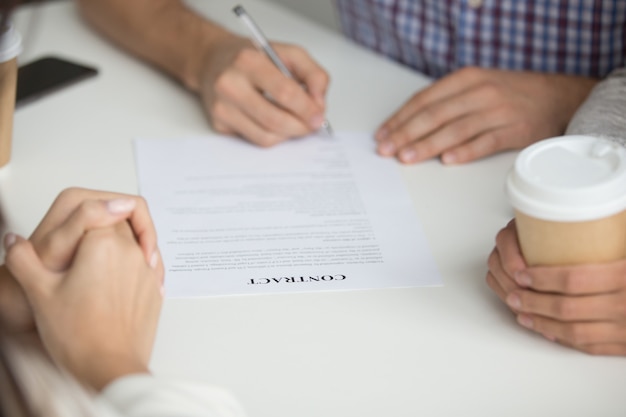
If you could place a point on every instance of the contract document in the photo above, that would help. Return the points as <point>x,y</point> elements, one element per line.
<point>311,214</point>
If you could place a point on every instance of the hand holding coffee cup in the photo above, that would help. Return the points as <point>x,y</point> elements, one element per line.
<point>561,265</point>
<point>569,195</point>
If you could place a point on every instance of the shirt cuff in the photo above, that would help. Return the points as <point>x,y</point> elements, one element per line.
<point>146,395</point>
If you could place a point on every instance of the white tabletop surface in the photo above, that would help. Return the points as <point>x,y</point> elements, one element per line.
<point>448,351</point>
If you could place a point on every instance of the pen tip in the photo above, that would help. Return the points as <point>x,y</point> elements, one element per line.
<point>238,10</point>
<point>327,128</point>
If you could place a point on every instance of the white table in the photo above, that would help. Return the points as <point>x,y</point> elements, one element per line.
<point>449,351</point>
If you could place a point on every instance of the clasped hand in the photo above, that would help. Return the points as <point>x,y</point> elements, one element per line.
<point>90,274</point>
<point>583,307</point>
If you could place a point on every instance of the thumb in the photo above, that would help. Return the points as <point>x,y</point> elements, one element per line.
<point>57,248</point>
<point>24,264</point>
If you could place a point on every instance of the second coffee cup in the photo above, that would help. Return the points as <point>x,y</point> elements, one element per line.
<point>10,47</point>
<point>569,195</point>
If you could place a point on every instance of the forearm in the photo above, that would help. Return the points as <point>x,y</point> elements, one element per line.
<point>603,114</point>
<point>15,313</point>
<point>6,288</point>
<point>163,32</point>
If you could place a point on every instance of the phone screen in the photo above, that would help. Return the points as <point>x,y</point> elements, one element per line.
<point>45,75</point>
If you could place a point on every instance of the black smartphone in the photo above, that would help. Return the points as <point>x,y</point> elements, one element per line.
<point>46,75</point>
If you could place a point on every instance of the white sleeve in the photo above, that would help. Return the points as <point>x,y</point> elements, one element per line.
<point>603,113</point>
<point>150,396</point>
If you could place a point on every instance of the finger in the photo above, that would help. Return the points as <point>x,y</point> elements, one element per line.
<point>159,268</point>
<point>507,244</point>
<point>222,128</point>
<point>63,204</point>
<point>443,124</point>
<point>124,229</point>
<point>419,125</point>
<point>67,201</point>
<point>266,114</point>
<point>574,333</point>
<point>495,286</point>
<point>57,249</point>
<point>24,264</point>
<point>495,139</point>
<point>305,69</point>
<point>494,263</point>
<point>454,133</point>
<point>441,90</point>
<point>125,232</point>
<point>143,228</point>
<point>579,280</point>
<point>233,119</point>
<point>286,92</point>
<point>605,349</point>
<point>566,308</point>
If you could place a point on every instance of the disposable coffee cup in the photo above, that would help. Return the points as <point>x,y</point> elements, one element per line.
<point>10,47</point>
<point>569,196</point>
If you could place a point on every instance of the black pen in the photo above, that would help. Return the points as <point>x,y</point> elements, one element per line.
<point>263,44</point>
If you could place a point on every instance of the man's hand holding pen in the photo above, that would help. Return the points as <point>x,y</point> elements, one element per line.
<point>238,78</point>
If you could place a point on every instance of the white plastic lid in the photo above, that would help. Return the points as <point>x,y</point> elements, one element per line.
<point>569,178</point>
<point>10,44</point>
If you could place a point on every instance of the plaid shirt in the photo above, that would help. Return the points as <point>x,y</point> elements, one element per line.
<point>583,37</point>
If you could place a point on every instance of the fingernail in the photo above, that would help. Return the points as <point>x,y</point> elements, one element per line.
<point>550,337</point>
<point>120,205</point>
<point>448,158</point>
<point>525,321</point>
<point>9,240</point>
<point>522,278</point>
<point>154,259</point>
<point>514,301</point>
<point>382,134</point>
<point>387,149</point>
<point>162,290</point>
<point>317,121</point>
<point>408,155</point>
